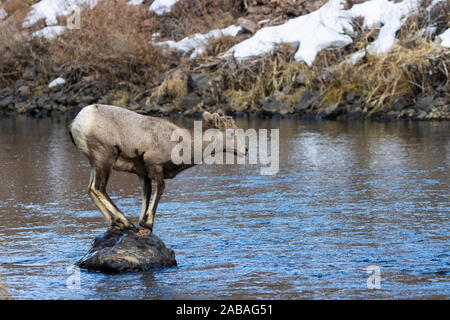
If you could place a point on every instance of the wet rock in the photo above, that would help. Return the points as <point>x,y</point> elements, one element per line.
<point>356,112</point>
<point>441,102</point>
<point>307,99</point>
<point>60,97</point>
<point>271,106</point>
<point>130,250</point>
<point>24,92</point>
<point>410,112</point>
<point>60,108</point>
<point>43,101</point>
<point>399,104</point>
<point>392,114</point>
<point>422,115</point>
<point>268,106</point>
<point>4,102</point>
<point>425,102</point>
<point>332,111</point>
<point>190,101</point>
<point>352,96</point>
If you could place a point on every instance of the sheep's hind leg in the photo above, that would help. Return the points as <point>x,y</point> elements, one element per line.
<point>97,191</point>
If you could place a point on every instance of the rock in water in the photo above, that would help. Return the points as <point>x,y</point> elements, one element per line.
<point>130,250</point>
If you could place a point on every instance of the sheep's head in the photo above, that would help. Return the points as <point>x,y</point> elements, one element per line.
<point>214,120</point>
<point>222,123</point>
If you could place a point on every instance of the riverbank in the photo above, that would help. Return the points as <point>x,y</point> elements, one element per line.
<point>172,64</point>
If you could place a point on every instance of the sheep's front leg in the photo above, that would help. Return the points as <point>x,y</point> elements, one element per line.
<point>146,195</point>
<point>146,221</point>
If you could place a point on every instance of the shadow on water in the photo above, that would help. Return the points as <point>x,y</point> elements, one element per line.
<point>348,195</point>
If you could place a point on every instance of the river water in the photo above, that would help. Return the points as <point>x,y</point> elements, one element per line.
<point>350,199</point>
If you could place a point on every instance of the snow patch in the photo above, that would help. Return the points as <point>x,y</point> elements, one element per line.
<point>314,32</point>
<point>51,9</point>
<point>445,38</point>
<point>433,3</point>
<point>162,6</point>
<point>49,33</point>
<point>391,15</point>
<point>355,57</point>
<point>57,82</point>
<point>330,26</point>
<point>135,2</point>
<point>199,41</point>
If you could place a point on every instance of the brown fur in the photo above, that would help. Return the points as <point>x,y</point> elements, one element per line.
<point>119,139</point>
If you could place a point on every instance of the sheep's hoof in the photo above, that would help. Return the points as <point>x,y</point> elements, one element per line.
<point>146,226</point>
<point>123,225</point>
<point>130,227</point>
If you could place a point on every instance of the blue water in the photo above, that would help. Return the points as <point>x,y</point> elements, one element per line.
<point>347,196</point>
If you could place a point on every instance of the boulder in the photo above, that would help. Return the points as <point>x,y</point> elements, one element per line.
<point>190,101</point>
<point>200,83</point>
<point>424,103</point>
<point>352,96</point>
<point>24,92</point>
<point>271,106</point>
<point>4,102</point>
<point>306,101</point>
<point>249,26</point>
<point>301,79</point>
<point>128,250</point>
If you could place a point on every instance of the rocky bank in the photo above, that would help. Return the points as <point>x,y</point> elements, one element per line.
<point>201,95</point>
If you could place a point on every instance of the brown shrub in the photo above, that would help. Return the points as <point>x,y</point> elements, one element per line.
<point>109,46</point>
<point>192,16</point>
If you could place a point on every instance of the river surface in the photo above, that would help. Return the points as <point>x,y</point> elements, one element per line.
<point>350,199</point>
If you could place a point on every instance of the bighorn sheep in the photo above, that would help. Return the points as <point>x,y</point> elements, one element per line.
<point>116,138</point>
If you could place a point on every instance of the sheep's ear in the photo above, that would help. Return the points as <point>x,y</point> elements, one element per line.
<point>217,120</point>
<point>208,117</point>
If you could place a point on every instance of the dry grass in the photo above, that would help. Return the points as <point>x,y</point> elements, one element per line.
<point>192,16</point>
<point>109,46</point>
<point>174,88</point>
<point>414,65</point>
<point>114,48</point>
<point>246,82</point>
<point>218,46</point>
